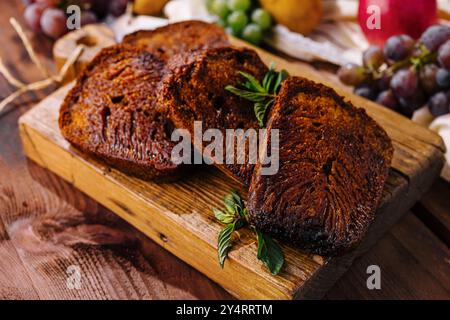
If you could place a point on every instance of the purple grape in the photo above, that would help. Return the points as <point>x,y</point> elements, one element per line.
<point>387,99</point>
<point>100,8</point>
<point>373,58</point>
<point>439,104</point>
<point>53,22</point>
<point>443,78</point>
<point>384,82</point>
<point>398,47</point>
<point>88,17</point>
<point>85,4</point>
<point>118,7</point>
<point>444,55</point>
<point>352,74</point>
<point>404,83</point>
<point>366,91</point>
<point>408,105</point>
<point>435,36</point>
<point>32,16</point>
<point>428,78</point>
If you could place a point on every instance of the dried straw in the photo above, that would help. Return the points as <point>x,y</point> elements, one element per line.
<point>42,84</point>
<point>29,47</point>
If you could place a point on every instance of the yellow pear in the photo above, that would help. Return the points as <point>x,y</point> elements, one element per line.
<point>300,16</point>
<point>149,7</point>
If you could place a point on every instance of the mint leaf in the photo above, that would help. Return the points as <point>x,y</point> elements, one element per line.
<point>262,95</point>
<point>252,83</point>
<point>224,217</point>
<point>235,216</point>
<point>224,242</point>
<point>261,110</point>
<point>270,252</point>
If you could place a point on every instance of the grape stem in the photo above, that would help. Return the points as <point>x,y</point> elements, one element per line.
<point>417,63</point>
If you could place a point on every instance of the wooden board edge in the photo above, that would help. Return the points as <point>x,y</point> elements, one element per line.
<point>159,230</point>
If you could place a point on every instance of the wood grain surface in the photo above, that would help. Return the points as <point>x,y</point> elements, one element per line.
<point>31,195</point>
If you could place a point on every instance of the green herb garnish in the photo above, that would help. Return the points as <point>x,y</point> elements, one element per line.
<point>262,95</point>
<point>235,216</point>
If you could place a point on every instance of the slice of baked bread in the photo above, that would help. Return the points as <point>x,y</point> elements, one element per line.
<point>179,37</point>
<point>112,113</point>
<point>195,91</point>
<point>334,161</point>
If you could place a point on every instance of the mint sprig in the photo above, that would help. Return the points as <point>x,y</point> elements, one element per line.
<point>261,94</point>
<point>235,216</point>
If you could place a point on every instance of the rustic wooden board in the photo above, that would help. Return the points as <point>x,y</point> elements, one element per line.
<point>178,215</point>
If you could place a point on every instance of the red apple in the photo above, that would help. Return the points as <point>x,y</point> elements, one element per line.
<point>380,19</point>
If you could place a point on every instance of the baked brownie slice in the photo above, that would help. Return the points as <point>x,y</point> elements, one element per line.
<point>195,91</point>
<point>334,161</point>
<point>112,113</point>
<point>179,37</point>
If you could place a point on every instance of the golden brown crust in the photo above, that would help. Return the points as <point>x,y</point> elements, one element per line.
<point>180,37</point>
<point>195,91</point>
<point>112,113</point>
<point>334,161</point>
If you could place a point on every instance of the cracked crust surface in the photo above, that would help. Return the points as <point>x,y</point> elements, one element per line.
<point>179,37</point>
<point>112,113</point>
<point>195,91</point>
<point>334,161</point>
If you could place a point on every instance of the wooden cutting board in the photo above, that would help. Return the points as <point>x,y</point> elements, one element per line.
<point>178,215</point>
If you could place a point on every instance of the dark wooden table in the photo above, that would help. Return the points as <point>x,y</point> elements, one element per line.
<point>47,226</point>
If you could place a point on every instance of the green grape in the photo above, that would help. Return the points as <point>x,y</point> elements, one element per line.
<point>262,18</point>
<point>252,33</point>
<point>232,32</point>
<point>222,23</point>
<point>220,8</point>
<point>239,5</point>
<point>237,21</point>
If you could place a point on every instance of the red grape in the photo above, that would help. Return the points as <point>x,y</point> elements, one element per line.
<point>384,82</point>
<point>398,47</point>
<point>100,8</point>
<point>439,104</point>
<point>53,22</point>
<point>443,78</point>
<point>87,17</point>
<point>435,36</point>
<point>407,106</point>
<point>427,77</point>
<point>373,57</point>
<point>117,7</point>
<point>352,74</point>
<point>366,91</point>
<point>32,16</point>
<point>387,99</point>
<point>404,83</point>
<point>444,55</point>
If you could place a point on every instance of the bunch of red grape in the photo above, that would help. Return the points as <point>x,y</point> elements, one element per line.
<point>406,74</point>
<point>49,16</point>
